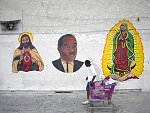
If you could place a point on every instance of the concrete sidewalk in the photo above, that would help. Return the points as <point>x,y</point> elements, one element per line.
<point>52,102</point>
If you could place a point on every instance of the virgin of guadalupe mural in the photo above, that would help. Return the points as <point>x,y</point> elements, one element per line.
<point>123,56</point>
<point>26,57</point>
<point>67,47</point>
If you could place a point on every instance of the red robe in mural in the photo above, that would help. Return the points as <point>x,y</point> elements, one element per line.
<point>121,57</point>
<point>27,64</point>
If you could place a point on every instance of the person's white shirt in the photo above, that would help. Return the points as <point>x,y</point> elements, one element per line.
<point>91,73</point>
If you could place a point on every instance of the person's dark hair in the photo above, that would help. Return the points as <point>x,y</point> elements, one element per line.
<point>87,62</point>
<point>30,44</point>
<point>60,41</point>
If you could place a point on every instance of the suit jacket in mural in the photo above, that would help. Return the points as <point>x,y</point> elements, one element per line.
<point>57,64</point>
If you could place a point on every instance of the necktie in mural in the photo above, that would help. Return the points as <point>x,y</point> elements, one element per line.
<point>123,56</point>
<point>67,68</point>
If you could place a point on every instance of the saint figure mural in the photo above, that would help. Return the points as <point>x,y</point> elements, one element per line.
<point>123,50</point>
<point>123,56</point>
<point>26,57</point>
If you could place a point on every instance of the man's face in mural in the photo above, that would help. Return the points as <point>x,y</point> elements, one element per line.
<point>122,28</point>
<point>68,50</point>
<point>25,41</point>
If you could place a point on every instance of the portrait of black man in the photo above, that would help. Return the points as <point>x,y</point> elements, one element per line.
<point>67,47</point>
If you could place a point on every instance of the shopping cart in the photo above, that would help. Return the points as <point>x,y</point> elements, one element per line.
<point>102,93</point>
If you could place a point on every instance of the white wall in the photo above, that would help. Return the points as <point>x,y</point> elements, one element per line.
<point>90,21</point>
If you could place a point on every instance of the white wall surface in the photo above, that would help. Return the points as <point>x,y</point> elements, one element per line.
<point>90,22</point>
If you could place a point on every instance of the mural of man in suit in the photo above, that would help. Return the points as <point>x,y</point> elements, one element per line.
<point>67,47</point>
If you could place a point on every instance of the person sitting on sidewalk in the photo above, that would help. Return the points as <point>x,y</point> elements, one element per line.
<point>91,77</point>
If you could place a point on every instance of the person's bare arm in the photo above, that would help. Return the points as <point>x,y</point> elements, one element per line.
<point>86,78</point>
<point>91,82</point>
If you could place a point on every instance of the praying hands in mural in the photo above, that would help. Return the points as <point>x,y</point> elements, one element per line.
<point>26,57</point>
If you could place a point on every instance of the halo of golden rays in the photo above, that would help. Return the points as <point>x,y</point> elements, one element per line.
<point>138,50</point>
<point>29,34</point>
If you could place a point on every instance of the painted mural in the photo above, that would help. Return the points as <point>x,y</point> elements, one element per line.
<point>123,56</point>
<point>26,57</point>
<point>67,47</point>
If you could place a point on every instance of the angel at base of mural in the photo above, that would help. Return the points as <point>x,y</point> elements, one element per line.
<point>26,57</point>
<point>123,53</point>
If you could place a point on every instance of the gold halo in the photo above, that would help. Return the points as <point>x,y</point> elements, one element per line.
<point>29,34</point>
